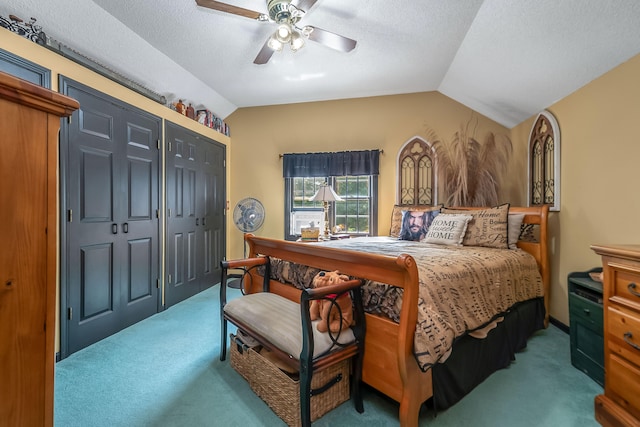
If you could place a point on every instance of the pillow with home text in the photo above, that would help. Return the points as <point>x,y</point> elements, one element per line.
<point>488,227</point>
<point>447,229</point>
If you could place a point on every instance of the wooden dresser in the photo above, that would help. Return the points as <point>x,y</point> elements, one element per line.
<point>29,123</point>
<point>620,403</point>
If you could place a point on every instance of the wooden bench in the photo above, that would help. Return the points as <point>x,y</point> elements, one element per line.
<point>284,328</point>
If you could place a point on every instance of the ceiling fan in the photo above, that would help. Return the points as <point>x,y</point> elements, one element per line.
<point>286,14</point>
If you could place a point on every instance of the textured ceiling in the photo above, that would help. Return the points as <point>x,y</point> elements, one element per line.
<point>507,59</point>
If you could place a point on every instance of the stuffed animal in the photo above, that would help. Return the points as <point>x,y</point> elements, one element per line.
<point>326,310</point>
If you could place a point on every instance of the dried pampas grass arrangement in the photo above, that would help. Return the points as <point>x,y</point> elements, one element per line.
<point>471,171</point>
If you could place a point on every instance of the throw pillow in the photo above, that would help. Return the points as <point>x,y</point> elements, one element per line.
<point>415,224</point>
<point>448,229</point>
<point>396,216</point>
<point>515,223</point>
<point>488,227</point>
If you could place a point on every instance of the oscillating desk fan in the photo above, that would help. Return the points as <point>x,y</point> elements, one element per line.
<point>248,216</point>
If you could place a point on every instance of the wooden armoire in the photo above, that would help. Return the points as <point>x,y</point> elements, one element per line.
<point>29,125</point>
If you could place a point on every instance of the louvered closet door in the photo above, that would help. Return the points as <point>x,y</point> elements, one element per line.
<point>111,198</point>
<point>195,213</point>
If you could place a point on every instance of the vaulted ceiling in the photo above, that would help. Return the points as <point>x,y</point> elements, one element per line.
<point>506,59</point>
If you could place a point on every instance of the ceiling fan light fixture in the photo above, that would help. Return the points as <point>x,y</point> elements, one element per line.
<point>297,41</point>
<point>283,33</point>
<point>274,43</point>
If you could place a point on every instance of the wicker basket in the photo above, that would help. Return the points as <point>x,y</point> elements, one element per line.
<point>281,392</point>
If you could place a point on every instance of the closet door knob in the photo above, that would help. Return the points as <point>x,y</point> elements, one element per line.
<point>114,228</point>
<point>125,227</point>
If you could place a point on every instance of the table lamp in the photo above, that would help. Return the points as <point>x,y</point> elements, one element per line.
<point>325,194</point>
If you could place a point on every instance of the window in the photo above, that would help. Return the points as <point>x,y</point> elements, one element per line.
<point>352,175</point>
<point>356,214</point>
<point>302,212</point>
<point>544,162</point>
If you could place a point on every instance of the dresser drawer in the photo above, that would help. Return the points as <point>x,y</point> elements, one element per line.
<point>623,384</point>
<point>626,285</point>
<point>623,333</point>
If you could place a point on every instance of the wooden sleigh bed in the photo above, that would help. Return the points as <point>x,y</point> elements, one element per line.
<point>390,364</point>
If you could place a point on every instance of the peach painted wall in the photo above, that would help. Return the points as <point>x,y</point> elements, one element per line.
<point>600,163</point>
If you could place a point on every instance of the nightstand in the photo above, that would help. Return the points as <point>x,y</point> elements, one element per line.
<point>586,324</point>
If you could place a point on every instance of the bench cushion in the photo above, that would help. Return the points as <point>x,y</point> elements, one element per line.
<point>278,320</point>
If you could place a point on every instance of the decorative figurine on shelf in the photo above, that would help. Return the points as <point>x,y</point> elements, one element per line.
<point>28,30</point>
<point>202,117</point>
<point>180,108</point>
<point>191,112</point>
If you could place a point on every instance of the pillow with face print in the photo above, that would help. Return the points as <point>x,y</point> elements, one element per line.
<point>396,216</point>
<point>415,224</point>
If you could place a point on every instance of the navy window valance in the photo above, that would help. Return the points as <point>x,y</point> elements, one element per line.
<point>345,163</point>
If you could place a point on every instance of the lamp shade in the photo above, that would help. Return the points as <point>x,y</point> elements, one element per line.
<point>325,194</point>
<point>283,33</point>
<point>297,41</point>
<point>274,43</point>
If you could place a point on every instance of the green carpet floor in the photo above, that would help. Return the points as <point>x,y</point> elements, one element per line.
<point>165,371</point>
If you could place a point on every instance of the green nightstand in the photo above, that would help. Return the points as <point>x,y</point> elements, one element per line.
<point>586,324</point>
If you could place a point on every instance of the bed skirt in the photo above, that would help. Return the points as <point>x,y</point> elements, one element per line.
<point>473,360</point>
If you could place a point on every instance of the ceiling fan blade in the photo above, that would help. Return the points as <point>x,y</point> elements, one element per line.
<point>304,5</point>
<point>223,7</point>
<point>332,40</point>
<point>264,55</point>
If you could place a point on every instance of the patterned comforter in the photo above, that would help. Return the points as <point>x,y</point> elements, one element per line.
<point>462,288</point>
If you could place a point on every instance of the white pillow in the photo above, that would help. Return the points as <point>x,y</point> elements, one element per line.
<point>447,229</point>
<point>515,223</point>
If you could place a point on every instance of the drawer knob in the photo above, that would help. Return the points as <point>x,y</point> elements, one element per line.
<point>632,289</point>
<point>628,336</point>
<point>587,311</point>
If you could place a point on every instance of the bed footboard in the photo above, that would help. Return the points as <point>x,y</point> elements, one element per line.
<point>389,363</point>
